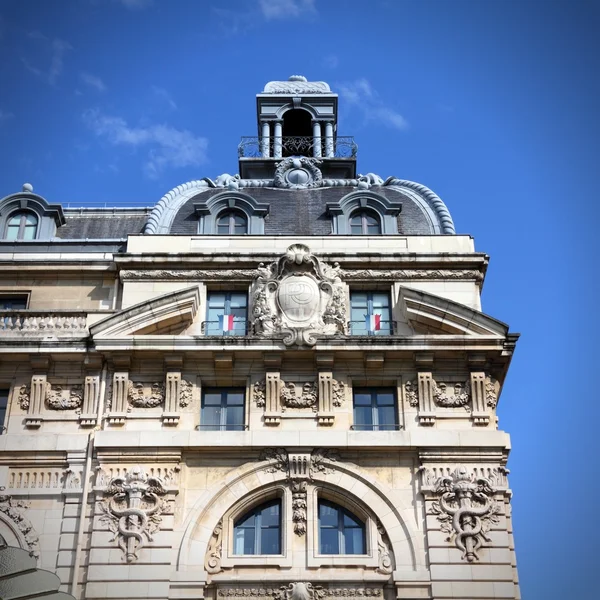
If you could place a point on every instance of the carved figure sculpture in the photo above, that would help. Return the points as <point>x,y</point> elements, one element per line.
<point>465,510</point>
<point>132,510</point>
<point>298,296</point>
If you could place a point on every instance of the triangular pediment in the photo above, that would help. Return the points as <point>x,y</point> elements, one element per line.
<point>169,314</point>
<point>434,315</point>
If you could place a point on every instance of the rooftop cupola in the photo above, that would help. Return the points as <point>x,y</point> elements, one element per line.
<point>297,118</point>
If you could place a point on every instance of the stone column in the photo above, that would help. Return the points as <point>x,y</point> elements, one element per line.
<point>329,139</point>
<point>316,139</point>
<point>277,140</point>
<point>272,398</point>
<point>265,139</point>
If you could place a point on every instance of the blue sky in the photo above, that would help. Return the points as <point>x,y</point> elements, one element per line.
<point>491,104</point>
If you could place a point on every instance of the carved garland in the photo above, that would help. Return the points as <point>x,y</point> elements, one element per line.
<point>460,397</point>
<point>15,511</point>
<point>306,399</point>
<point>410,387</point>
<point>137,398</point>
<point>55,398</point>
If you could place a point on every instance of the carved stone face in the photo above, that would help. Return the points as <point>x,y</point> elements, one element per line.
<point>458,389</point>
<point>298,297</point>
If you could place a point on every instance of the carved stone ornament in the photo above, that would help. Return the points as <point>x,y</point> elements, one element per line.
<point>386,564</point>
<point>298,173</point>
<point>338,390</point>
<point>24,396</point>
<point>185,393</point>
<point>14,510</point>
<point>132,510</point>
<point>215,550</point>
<point>136,395</point>
<point>300,591</point>
<point>465,510</point>
<point>299,503</point>
<point>307,398</point>
<point>259,392</point>
<point>294,297</point>
<point>491,392</point>
<point>460,396</point>
<point>410,387</point>
<point>297,84</point>
<point>56,399</point>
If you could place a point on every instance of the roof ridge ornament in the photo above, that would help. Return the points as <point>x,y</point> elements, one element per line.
<point>297,84</point>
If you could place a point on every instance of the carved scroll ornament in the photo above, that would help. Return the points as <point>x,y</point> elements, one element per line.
<point>132,510</point>
<point>465,510</point>
<point>299,296</point>
<point>14,510</point>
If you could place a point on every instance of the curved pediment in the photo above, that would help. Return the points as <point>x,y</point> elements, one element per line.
<point>169,314</point>
<point>431,314</point>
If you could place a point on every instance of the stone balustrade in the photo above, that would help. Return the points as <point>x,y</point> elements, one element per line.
<point>55,323</point>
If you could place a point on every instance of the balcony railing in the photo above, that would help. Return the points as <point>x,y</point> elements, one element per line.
<point>37,323</point>
<point>224,427</point>
<point>380,427</point>
<point>281,147</point>
<point>215,328</point>
<point>360,328</point>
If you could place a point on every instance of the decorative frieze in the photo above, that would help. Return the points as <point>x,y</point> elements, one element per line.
<point>57,399</point>
<point>306,397</point>
<point>136,395</point>
<point>466,510</point>
<point>132,510</point>
<point>300,591</point>
<point>36,478</point>
<point>458,397</point>
<point>14,511</point>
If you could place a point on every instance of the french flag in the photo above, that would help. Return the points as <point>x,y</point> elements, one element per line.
<point>373,322</point>
<point>226,322</point>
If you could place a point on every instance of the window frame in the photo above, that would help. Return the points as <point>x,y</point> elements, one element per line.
<point>257,512</point>
<point>24,296</point>
<point>223,425</point>
<point>341,529</point>
<point>231,213</point>
<point>364,213</point>
<point>4,409</point>
<point>215,331</point>
<point>23,214</point>
<point>371,312</point>
<point>375,415</point>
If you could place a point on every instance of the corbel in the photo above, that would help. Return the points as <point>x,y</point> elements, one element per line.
<point>325,413</point>
<point>92,366</point>
<point>40,365</point>
<point>173,367</point>
<point>120,389</point>
<point>424,365</point>
<point>477,363</point>
<point>272,398</point>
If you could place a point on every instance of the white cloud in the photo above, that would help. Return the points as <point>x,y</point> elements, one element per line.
<point>135,4</point>
<point>58,49</point>
<point>5,116</point>
<point>360,94</point>
<point>93,81</point>
<point>286,9</point>
<point>164,95</point>
<point>168,147</point>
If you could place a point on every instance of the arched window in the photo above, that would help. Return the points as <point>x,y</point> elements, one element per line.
<point>259,531</point>
<point>340,532</point>
<point>22,225</point>
<point>364,222</point>
<point>232,222</point>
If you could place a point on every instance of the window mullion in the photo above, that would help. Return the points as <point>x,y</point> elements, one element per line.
<point>375,411</point>
<point>257,532</point>
<point>22,222</point>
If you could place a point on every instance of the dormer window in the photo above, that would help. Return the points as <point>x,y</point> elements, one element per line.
<point>365,222</point>
<point>232,222</point>
<point>22,225</point>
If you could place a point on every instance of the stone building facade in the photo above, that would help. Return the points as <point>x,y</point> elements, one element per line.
<point>277,385</point>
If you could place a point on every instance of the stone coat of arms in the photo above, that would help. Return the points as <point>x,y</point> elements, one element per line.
<point>299,296</point>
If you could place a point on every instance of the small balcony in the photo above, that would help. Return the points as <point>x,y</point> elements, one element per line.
<point>282,147</point>
<point>32,323</point>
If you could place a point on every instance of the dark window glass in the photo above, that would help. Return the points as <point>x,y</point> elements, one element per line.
<point>340,532</point>
<point>227,313</point>
<point>3,407</point>
<point>259,531</point>
<point>22,226</point>
<point>364,222</point>
<point>375,409</point>
<point>222,410</point>
<point>232,223</point>
<point>13,302</point>
<point>370,313</point>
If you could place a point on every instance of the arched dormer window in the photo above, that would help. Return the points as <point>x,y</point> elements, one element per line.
<point>232,222</point>
<point>365,222</point>
<point>22,225</point>
<point>259,530</point>
<point>340,532</point>
<point>364,212</point>
<point>230,213</point>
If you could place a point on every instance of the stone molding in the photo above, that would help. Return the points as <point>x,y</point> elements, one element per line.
<point>300,591</point>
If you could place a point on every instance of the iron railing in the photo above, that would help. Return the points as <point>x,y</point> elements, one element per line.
<point>282,147</point>
<point>226,427</point>
<point>360,328</point>
<point>379,427</point>
<point>212,328</point>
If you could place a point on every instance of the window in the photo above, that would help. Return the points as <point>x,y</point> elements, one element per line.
<point>364,223</point>
<point>340,532</point>
<point>232,223</point>
<point>13,302</point>
<point>370,313</point>
<point>222,410</point>
<point>22,225</point>
<point>227,313</point>
<point>3,407</point>
<point>259,531</point>
<point>375,409</point>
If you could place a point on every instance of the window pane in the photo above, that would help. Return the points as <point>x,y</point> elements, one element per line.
<point>330,541</point>
<point>385,398</point>
<point>3,406</point>
<point>235,398</point>
<point>235,418</point>
<point>12,231</point>
<point>350,520</point>
<point>328,515</point>
<point>269,543</point>
<point>244,541</point>
<point>270,515</point>
<point>362,398</point>
<point>211,417</point>
<point>354,541</point>
<point>29,232</point>
<point>247,520</point>
<point>216,300</point>
<point>212,398</point>
<point>386,417</point>
<point>238,300</point>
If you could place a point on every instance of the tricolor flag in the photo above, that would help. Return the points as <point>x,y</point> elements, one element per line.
<point>373,322</point>
<point>226,322</point>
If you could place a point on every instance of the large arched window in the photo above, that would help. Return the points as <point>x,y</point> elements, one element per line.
<point>22,225</point>
<point>365,222</point>
<point>232,222</point>
<point>340,532</point>
<point>259,531</point>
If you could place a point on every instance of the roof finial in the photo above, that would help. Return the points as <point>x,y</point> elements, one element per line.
<point>27,187</point>
<point>297,78</point>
